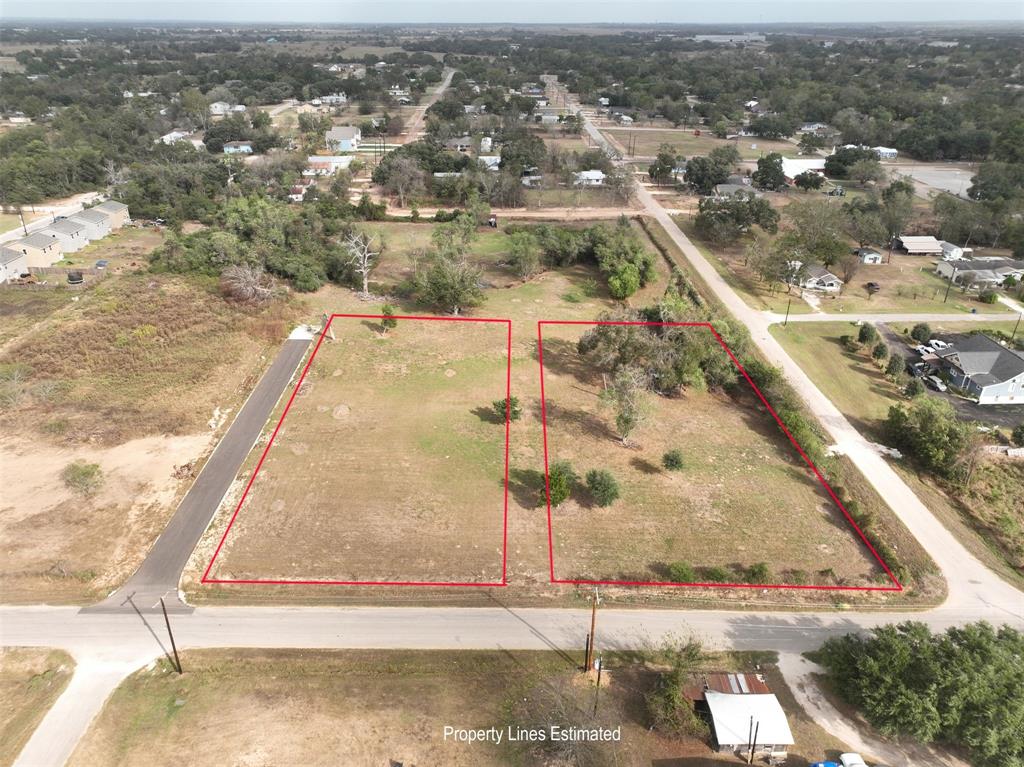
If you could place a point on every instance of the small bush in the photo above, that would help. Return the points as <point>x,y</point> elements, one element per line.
<point>717,575</point>
<point>673,459</point>
<point>921,332</point>
<point>758,573</point>
<point>602,486</point>
<point>880,352</point>
<point>988,297</point>
<point>84,478</point>
<point>681,572</point>
<point>510,406</point>
<point>914,388</point>
<point>561,480</point>
<point>867,334</point>
<point>1017,436</point>
<point>849,343</point>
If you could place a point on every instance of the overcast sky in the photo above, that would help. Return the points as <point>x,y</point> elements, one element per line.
<point>518,11</point>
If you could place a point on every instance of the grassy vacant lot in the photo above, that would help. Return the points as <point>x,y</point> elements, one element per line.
<point>647,143</point>
<point>390,464</point>
<point>989,505</point>
<point>723,509</point>
<point>31,679</point>
<point>242,707</point>
<point>125,249</point>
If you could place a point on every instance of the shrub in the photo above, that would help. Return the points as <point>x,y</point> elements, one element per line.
<point>673,459</point>
<point>914,388</point>
<point>921,332</point>
<point>895,366</point>
<point>681,572</point>
<point>1018,435</point>
<point>561,479</point>
<point>758,573</point>
<point>880,352</point>
<point>509,406</point>
<point>988,297</point>
<point>84,478</point>
<point>602,486</point>
<point>867,334</point>
<point>849,343</point>
<point>717,575</point>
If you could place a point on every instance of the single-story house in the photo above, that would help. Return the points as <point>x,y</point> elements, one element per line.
<point>490,161</point>
<point>297,193</point>
<point>817,277</point>
<point>334,99</point>
<point>174,136</point>
<point>920,245</point>
<point>13,264</point>
<point>238,147</point>
<point>812,127</point>
<point>326,164</point>
<point>97,225</point>
<point>980,272</point>
<point>460,144</point>
<point>589,178</point>
<point>793,167</point>
<point>39,249</point>
<point>486,144</point>
<point>868,255</point>
<point>603,101</point>
<point>984,368</point>
<point>885,152</point>
<point>725,191</point>
<point>220,108</point>
<point>72,234</point>
<point>625,120</point>
<point>116,211</point>
<point>344,138</point>
<point>731,717</point>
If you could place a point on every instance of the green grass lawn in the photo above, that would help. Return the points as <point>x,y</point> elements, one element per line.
<point>31,679</point>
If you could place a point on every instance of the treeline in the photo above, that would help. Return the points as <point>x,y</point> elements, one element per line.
<point>962,688</point>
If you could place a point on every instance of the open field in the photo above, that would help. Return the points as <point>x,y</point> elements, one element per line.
<point>125,249</point>
<point>989,505</point>
<point>566,197</point>
<point>31,679</point>
<point>243,707</point>
<point>390,464</point>
<point>740,478</point>
<point>647,142</point>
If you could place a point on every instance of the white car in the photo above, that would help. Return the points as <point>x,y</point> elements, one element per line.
<point>852,760</point>
<point>937,344</point>
<point>923,350</point>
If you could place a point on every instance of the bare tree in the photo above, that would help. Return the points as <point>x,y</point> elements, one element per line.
<point>116,174</point>
<point>405,179</point>
<point>362,256</point>
<point>247,283</point>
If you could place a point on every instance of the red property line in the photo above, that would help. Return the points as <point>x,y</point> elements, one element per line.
<point>326,582</point>
<point>897,586</point>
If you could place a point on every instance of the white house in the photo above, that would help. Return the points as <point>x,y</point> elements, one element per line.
<point>980,272</point>
<point>39,249</point>
<point>625,120</point>
<point>220,108</point>
<point>920,245</point>
<point>344,138</point>
<point>72,234</point>
<point>486,143</point>
<point>13,264</point>
<point>97,225</point>
<point>886,153</point>
<point>326,165</point>
<point>793,167</point>
<point>589,178</point>
<point>951,252</point>
<point>731,717</point>
<point>817,277</point>
<point>868,255</point>
<point>173,137</point>
<point>335,99</point>
<point>604,101</point>
<point>490,161</point>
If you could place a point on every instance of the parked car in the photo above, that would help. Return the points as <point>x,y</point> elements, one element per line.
<point>935,343</point>
<point>916,369</point>
<point>873,287</point>
<point>936,383</point>
<point>923,350</point>
<point>102,263</point>
<point>824,764</point>
<point>852,760</point>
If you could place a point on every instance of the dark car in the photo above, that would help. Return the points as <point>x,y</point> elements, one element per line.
<point>873,287</point>
<point>102,263</point>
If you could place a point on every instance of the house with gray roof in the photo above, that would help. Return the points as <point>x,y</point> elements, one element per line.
<point>116,211</point>
<point>817,277</point>
<point>72,234</point>
<point>97,225</point>
<point>344,138</point>
<point>985,369</point>
<point>39,249</point>
<point>13,264</point>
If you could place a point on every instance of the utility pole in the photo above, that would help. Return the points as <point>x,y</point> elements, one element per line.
<point>177,660</point>
<point>22,217</point>
<point>597,690</point>
<point>952,278</point>
<point>593,623</point>
<point>789,303</point>
<point>1014,334</point>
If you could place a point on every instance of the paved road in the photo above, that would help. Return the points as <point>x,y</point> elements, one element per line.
<point>77,203</point>
<point>773,318</point>
<point>158,576</point>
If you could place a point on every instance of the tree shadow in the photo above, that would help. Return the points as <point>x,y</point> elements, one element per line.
<point>644,466</point>
<point>583,420</point>
<point>527,487</point>
<point>376,327</point>
<point>561,358</point>
<point>487,415</point>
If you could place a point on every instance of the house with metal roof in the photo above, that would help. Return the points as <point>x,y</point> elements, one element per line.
<point>920,245</point>
<point>744,722</point>
<point>343,138</point>
<point>985,369</point>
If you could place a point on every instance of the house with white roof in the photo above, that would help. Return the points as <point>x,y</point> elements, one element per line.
<point>794,166</point>
<point>343,138</point>
<point>734,715</point>
<point>71,234</point>
<point>97,224</point>
<point>589,178</point>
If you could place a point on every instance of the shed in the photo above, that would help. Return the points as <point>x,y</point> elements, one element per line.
<point>920,245</point>
<point>732,716</point>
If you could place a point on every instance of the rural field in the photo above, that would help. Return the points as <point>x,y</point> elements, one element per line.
<point>722,509</point>
<point>647,142</point>
<point>391,455</point>
<point>31,679</point>
<point>247,707</point>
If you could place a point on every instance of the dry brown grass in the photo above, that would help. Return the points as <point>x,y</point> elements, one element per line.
<point>31,679</point>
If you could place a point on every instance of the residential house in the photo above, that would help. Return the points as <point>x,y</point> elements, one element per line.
<point>868,255</point>
<point>624,119</point>
<point>589,178</point>
<point>173,137</point>
<point>334,99</point>
<point>116,211</point>
<point>238,147</point>
<point>726,191</point>
<point>13,264</point>
<point>326,165</point>
<point>97,225</point>
<point>920,245</point>
<point>984,272</point>
<point>604,101</point>
<point>490,161</point>
<point>396,90</point>
<point>886,153</point>
<point>985,369</point>
<point>39,249</point>
<point>71,234</point>
<point>344,138</point>
<point>548,119</point>
<point>793,167</point>
<point>817,277</point>
<point>486,144</point>
<point>220,108</point>
<point>460,144</point>
<point>813,128</point>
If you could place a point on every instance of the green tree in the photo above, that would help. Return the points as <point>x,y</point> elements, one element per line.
<point>1017,436</point>
<point>880,352</point>
<point>914,388</point>
<point>867,334</point>
<point>673,459</point>
<point>809,180</point>
<point>661,170</point>
<point>603,487</point>
<point>450,283</point>
<point>507,407</point>
<point>524,254</point>
<point>561,481</point>
<point>703,174</point>
<point>682,572</point>
<point>868,169</point>
<point>929,431</point>
<point>769,173</point>
<point>626,394</point>
<point>388,321</point>
<point>921,332</point>
<point>895,366</point>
